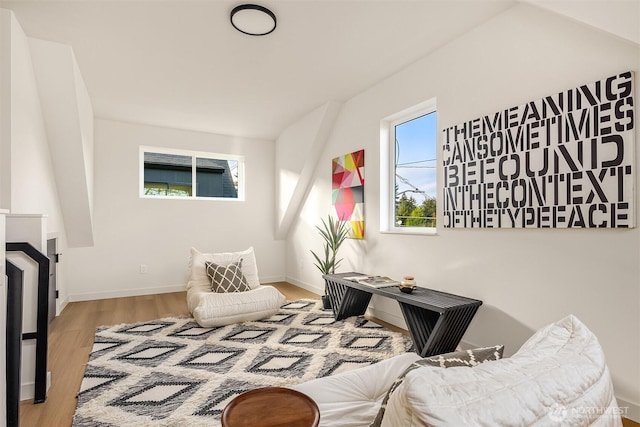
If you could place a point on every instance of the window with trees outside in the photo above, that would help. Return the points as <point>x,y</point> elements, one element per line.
<point>184,174</point>
<point>411,167</point>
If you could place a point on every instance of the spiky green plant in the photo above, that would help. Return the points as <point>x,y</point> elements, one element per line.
<point>333,232</point>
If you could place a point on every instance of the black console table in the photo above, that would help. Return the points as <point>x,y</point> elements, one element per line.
<point>436,320</point>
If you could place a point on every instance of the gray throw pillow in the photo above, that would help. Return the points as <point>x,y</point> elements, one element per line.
<point>227,278</point>
<point>468,358</point>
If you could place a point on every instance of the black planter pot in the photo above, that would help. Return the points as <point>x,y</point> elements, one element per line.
<point>326,302</point>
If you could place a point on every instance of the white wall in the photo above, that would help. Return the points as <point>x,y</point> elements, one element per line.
<point>526,278</point>
<point>68,118</point>
<point>28,181</point>
<point>32,187</point>
<point>297,151</point>
<point>5,108</point>
<point>130,231</point>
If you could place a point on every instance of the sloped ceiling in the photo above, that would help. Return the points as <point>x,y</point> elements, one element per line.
<point>69,125</point>
<point>181,64</point>
<point>618,17</point>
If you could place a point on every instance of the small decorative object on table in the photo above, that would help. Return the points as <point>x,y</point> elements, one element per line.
<point>408,284</point>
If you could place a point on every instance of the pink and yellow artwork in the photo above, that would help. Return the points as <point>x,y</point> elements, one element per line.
<point>347,174</point>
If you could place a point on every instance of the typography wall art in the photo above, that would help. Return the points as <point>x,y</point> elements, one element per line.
<point>564,161</point>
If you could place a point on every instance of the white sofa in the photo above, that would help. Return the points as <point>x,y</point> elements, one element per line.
<point>218,309</point>
<point>558,378</point>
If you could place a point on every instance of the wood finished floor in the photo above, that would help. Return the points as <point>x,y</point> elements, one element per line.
<point>71,339</point>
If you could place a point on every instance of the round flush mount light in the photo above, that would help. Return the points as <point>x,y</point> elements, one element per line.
<point>253,19</point>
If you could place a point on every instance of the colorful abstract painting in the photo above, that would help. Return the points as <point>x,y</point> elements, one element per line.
<point>347,174</point>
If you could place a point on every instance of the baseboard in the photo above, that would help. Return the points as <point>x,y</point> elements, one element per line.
<point>466,345</point>
<point>61,305</point>
<point>126,293</point>
<point>273,279</point>
<point>27,390</point>
<point>307,286</point>
<point>145,291</point>
<point>392,318</point>
<point>629,410</point>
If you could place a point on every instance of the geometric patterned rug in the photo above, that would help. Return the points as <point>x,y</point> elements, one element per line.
<point>172,372</point>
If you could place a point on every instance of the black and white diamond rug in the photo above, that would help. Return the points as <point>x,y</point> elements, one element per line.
<point>172,372</point>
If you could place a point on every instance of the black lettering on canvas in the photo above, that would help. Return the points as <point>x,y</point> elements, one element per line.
<point>564,161</point>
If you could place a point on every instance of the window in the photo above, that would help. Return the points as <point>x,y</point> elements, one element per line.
<point>184,174</point>
<point>409,151</point>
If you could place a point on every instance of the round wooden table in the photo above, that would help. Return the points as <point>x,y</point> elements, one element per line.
<point>271,407</point>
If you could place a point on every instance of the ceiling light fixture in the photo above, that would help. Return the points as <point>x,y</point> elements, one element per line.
<point>253,19</point>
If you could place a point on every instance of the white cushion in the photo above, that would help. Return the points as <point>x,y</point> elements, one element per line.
<point>219,309</point>
<point>352,399</point>
<point>555,375</point>
<point>198,272</point>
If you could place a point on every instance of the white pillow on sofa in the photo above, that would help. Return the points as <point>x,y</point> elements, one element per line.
<point>198,270</point>
<point>556,374</point>
<point>219,309</point>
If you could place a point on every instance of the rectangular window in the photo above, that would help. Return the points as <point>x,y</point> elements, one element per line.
<point>409,151</point>
<point>184,174</point>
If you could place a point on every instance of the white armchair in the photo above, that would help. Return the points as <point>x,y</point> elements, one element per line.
<point>217,309</point>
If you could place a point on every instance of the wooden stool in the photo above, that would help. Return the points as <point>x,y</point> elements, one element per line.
<point>271,407</point>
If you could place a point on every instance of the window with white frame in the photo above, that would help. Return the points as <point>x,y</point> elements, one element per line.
<point>408,183</point>
<point>167,173</point>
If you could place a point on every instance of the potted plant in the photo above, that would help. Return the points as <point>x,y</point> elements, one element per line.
<point>333,232</point>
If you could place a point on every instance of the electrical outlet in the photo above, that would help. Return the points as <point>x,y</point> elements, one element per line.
<point>143,269</point>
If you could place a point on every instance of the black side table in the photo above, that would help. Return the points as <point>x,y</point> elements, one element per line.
<point>436,320</point>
